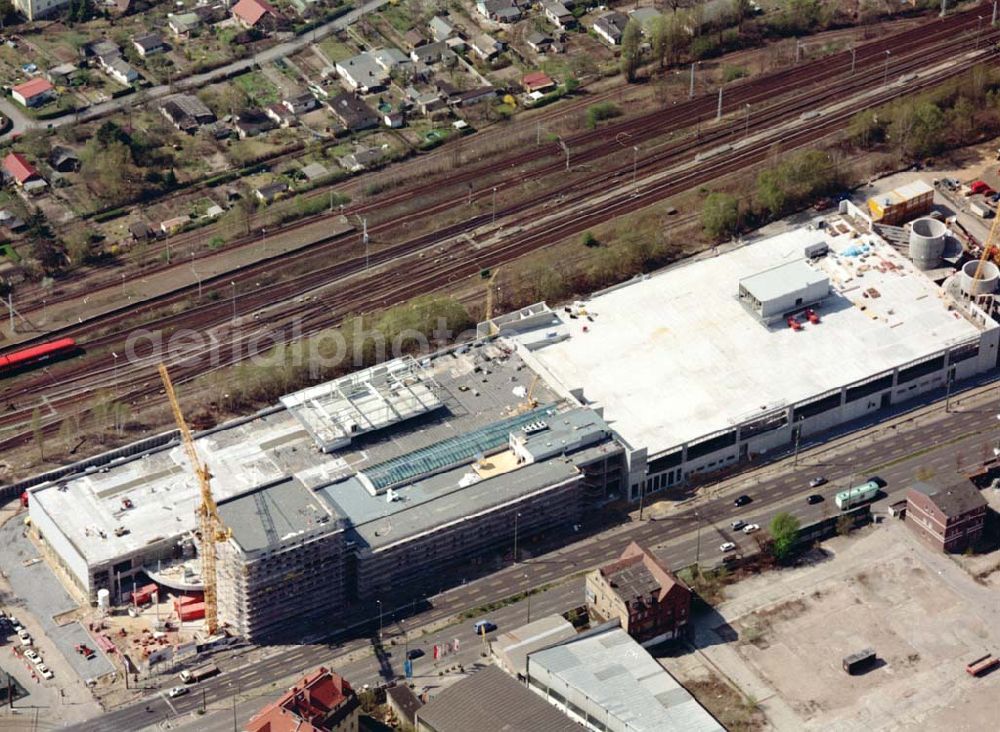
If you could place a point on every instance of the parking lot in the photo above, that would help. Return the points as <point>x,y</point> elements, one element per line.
<point>925,617</point>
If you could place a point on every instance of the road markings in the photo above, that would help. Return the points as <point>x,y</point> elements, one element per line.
<point>173,709</point>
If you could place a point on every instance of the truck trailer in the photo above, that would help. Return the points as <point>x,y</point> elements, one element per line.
<point>857,495</point>
<point>860,661</point>
<point>197,674</point>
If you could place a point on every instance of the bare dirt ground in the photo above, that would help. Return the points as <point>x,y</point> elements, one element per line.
<point>879,588</point>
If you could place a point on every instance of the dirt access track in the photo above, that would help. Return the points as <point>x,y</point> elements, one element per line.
<point>924,616</point>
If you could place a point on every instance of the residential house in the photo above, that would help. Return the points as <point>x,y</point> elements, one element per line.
<point>63,159</point>
<point>281,115</point>
<point>181,24</point>
<point>511,648</point>
<point>140,231</point>
<point>17,168</point>
<point>491,701</point>
<point>102,49</point>
<point>390,59</point>
<point>403,703</point>
<point>610,27</point>
<point>187,112</point>
<point>539,42</point>
<point>174,224</point>
<point>424,101</point>
<point>361,159</point>
<point>433,53</point>
<point>414,38</point>
<point>314,172</point>
<point>537,81</point>
<point>62,73</point>
<point>300,103</point>
<point>253,122</point>
<point>363,73</point>
<point>120,70</point>
<point>458,98</point>
<point>34,9</point>
<point>500,11</point>
<point>393,120</point>
<point>149,44</point>
<point>256,14</point>
<point>644,17</point>
<point>951,516</point>
<point>486,47</point>
<point>321,702</point>
<point>558,14</point>
<point>11,222</point>
<point>640,591</point>
<point>33,93</point>
<point>353,113</point>
<point>441,28</point>
<point>270,192</point>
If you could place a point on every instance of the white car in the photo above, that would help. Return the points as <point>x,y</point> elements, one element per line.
<point>177,691</point>
<point>33,656</point>
<point>44,671</point>
<point>727,547</point>
<point>750,528</point>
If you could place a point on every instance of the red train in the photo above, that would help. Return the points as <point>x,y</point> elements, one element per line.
<point>28,357</point>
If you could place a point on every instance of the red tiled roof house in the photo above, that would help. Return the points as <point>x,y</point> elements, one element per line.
<point>255,13</point>
<point>19,169</point>
<point>33,93</point>
<point>642,593</point>
<point>537,81</point>
<point>322,702</point>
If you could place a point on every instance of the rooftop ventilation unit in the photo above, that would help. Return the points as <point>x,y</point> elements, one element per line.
<point>533,427</point>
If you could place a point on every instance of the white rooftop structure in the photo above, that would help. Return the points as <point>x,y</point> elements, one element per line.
<point>674,357</point>
<point>612,679</point>
<point>362,402</point>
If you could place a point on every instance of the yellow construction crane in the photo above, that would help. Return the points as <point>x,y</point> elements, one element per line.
<point>209,522</point>
<point>490,298</point>
<point>989,246</point>
<point>529,402</point>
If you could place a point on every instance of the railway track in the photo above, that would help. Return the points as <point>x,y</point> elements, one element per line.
<point>593,145</point>
<point>427,275</point>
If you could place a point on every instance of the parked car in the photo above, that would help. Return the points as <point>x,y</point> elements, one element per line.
<point>817,482</point>
<point>750,528</point>
<point>414,653</point>
<point>742,501</point>
<point>814,498</point>
<point>727,547</point>
<point>482,627</point>
<point>33,656</point>
<point>737,524</point>
<point>44,671</point>
<point>177,691</point>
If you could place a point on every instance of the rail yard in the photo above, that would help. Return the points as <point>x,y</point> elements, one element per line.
<point>352,434</point>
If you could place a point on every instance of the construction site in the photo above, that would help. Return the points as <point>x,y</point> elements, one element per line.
<point>370,485</point>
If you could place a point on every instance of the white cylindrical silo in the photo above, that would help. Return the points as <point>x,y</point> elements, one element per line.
<point>104,599</point>
<point>986,282</point>
<point>927,240</point>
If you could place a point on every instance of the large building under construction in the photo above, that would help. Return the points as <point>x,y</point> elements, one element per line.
<point>366,488</point>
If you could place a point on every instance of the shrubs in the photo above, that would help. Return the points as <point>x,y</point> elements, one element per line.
<point>600,112</point>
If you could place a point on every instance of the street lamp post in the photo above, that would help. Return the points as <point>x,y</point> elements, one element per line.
<point>635,165</point>
<point>798,437</point>
<point>379,603</point>
<point>196,276</point>
<point>233,283</point>
<point>263,240</point>
<point>516,517</point>
<point>528,594</point>
<point>697,550</point>
<point>854,59</point>
<point>746,128</point>
<point>115,373</point>
<point>979,27</point>
<point>493,218</point>
<point>885,75</point>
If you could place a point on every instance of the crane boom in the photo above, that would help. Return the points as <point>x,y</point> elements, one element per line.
<point>210,524</point>
<point>989,245</point>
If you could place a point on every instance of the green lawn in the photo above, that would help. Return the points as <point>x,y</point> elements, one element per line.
<point>261,91</point>
<point>336,50</point>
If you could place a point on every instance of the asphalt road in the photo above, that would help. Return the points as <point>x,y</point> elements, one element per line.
<point>21,122</point>
<point>931,439</point>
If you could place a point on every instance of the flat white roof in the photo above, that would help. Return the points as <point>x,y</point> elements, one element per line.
<point>675,357</point>
<point>776,281</point>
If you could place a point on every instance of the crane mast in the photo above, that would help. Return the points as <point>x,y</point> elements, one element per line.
<point>988,246</point>
<point>209,523</point>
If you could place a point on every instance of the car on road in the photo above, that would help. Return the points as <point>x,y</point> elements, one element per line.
<point>33,656</point>
<point>45,671</point>
<point>817,482</point>
<point>177,691</point>
<point>737,524</point>
<point>482,627</point>
<point>750,528</point>
<point>414,653</point>
<point>742,501</point>
<point>815,498</point>
<point>727,547</point>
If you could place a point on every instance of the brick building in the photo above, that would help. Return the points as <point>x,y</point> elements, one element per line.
<point>950,517</point>
<point>322,702</point>
<point>640,590</point>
